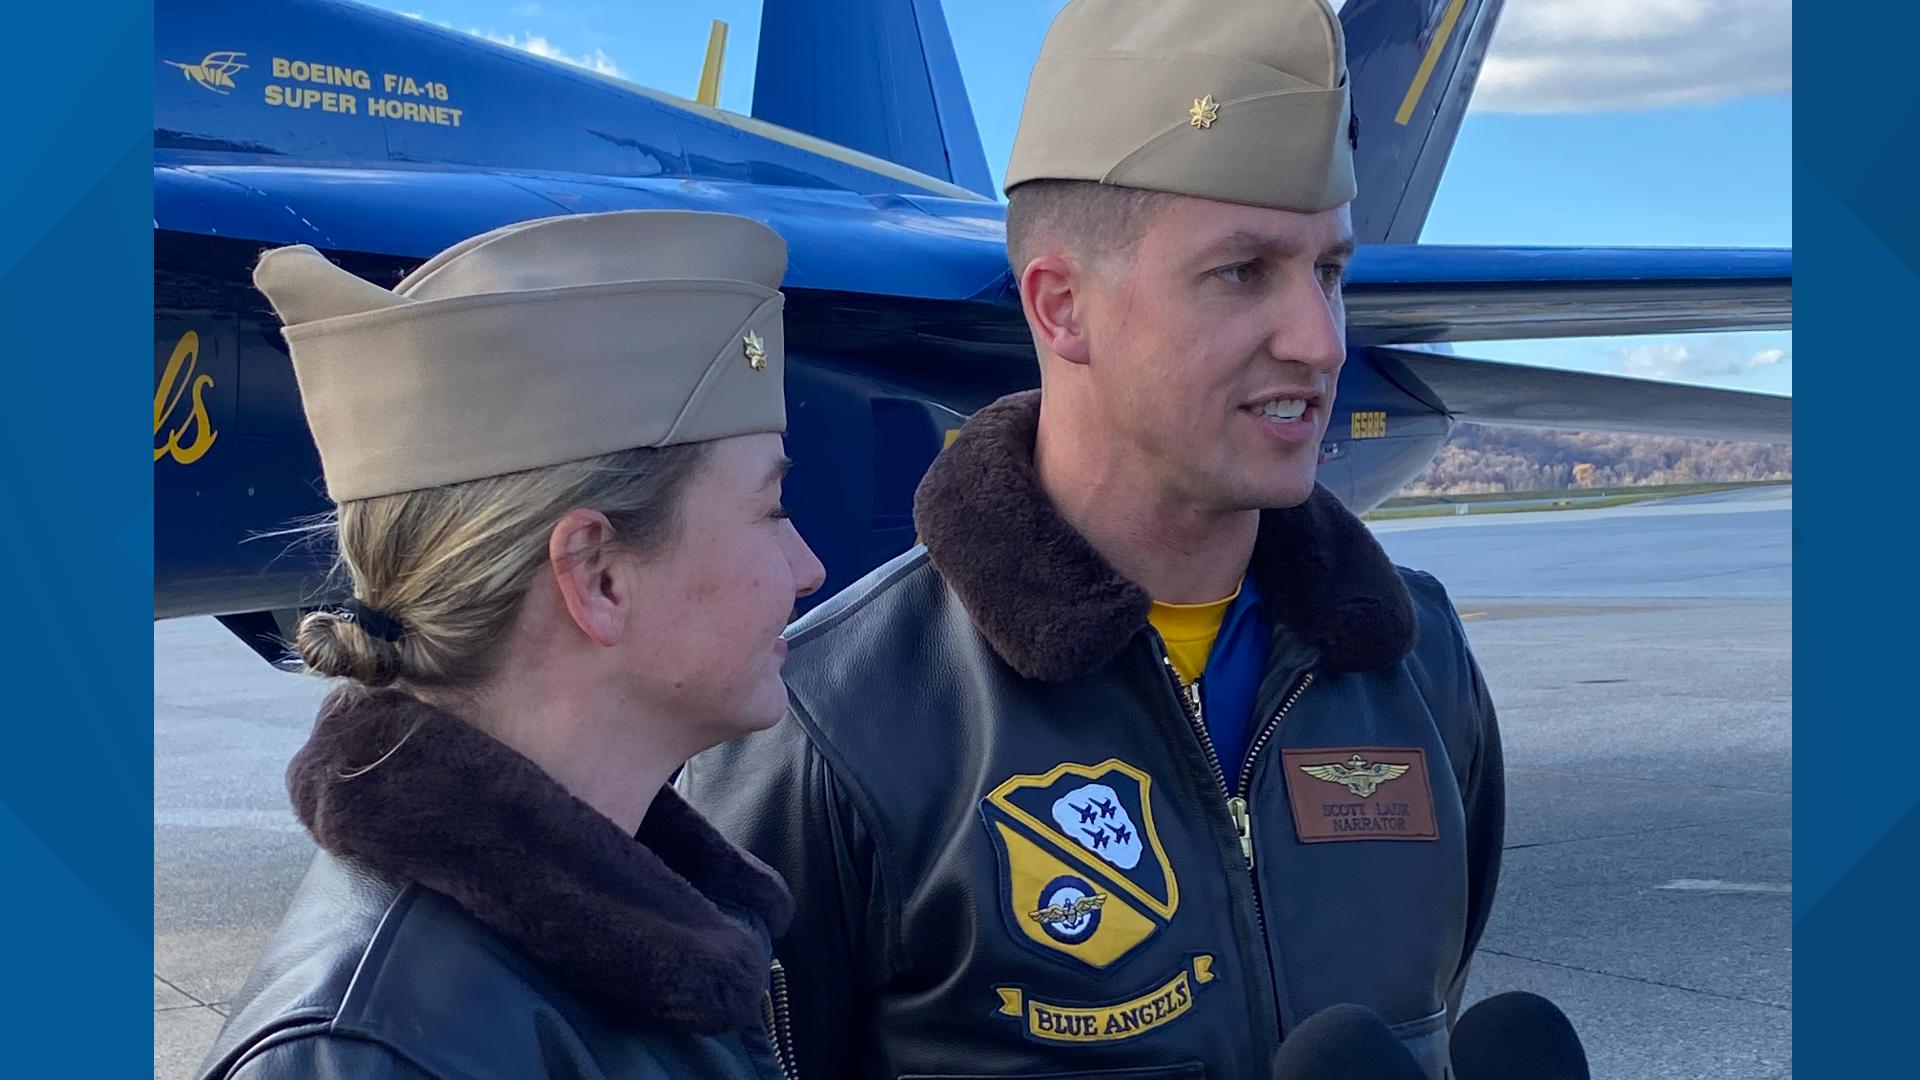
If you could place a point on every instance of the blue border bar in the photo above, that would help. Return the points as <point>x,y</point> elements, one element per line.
<point>1857,712</point>
<point>76,770</point>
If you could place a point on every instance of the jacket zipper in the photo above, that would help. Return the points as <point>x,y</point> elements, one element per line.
<point>1260,742</point>
<point>1189,695</point>
<point>774,1008</point>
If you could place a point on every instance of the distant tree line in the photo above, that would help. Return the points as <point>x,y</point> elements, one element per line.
<point>1481,458</point>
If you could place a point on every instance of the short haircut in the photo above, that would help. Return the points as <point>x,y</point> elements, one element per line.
<point>1081,215</point>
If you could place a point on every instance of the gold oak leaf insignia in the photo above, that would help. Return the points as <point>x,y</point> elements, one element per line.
<point>1204,112</point>
<point>756,349</point>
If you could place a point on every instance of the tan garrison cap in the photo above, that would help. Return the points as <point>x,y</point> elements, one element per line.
<point>535,344</point>
<point>1221,99</point>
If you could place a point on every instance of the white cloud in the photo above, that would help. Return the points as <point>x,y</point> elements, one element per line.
<point>1674,361</point>
<point>1584,55</point>
<point>597,60</point>
<point>537,44</point>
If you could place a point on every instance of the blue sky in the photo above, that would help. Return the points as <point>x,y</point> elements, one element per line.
<point>1661,122</point>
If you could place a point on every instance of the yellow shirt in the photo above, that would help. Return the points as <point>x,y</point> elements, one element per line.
<point>1189,630</point>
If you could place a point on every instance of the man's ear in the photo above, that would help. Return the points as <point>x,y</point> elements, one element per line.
<point>581,553</point>
<point>1050,293</point>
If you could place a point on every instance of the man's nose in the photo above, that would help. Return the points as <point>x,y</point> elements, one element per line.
<point>1310,328</point>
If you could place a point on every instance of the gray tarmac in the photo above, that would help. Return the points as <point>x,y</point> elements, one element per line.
<point>1641,660</point>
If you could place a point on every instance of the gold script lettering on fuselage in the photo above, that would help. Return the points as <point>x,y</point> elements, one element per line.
<point>188,437</point>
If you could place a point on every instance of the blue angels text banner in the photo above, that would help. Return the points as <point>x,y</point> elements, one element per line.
<point>76,754</point>
<point>1856,903</point>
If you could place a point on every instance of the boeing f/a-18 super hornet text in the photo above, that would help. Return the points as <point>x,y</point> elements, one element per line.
<point>382,139</point>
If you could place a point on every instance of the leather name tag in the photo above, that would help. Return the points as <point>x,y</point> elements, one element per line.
<point>1360,793</point>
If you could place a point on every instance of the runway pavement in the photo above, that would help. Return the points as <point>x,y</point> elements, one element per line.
<point>1641,661</point>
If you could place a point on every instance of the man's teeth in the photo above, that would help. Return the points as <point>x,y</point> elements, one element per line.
<point>1288,409</point>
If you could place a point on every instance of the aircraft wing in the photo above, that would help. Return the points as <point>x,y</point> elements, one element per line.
<point>934,248</point>
<point>1491,392</point>
<point>1403,294</point>
<point>892,271</point>
<point>878,245</point>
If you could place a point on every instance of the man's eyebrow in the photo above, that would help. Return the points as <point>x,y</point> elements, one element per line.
<point>1237,241</point>
<point>778,472</point>
<point>1244,240</point>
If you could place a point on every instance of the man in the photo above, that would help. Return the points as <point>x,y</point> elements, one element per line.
<point>1150,753</point>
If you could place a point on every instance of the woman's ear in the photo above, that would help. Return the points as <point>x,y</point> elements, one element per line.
<point>581,555</point>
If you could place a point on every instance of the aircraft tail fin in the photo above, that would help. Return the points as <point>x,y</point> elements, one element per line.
<point>1412,65</point>
<point>878,76</point>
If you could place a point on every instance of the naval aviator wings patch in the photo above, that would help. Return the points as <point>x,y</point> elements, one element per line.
<point>1083,873</point>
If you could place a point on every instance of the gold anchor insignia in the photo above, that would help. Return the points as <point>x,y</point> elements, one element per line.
<point>1204,112</point>
<point>1357,775</point>
<point>756,350</point>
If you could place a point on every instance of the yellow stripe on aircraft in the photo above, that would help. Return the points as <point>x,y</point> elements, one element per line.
<point>931,184</point>
<point>1427,63</point>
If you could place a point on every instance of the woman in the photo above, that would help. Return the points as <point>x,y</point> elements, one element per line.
<point>556,457</point>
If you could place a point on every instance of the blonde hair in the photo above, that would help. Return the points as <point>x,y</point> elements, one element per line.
<point>451,565</point>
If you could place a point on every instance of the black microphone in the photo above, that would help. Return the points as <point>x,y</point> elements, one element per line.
<point>1344,1042</point>
<point>1517,1036</point>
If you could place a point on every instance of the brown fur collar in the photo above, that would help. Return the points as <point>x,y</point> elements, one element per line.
<point>1054,609</point>
<point>632,918</point>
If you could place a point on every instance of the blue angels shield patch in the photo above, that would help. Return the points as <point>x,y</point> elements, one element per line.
<point>1083,872</point>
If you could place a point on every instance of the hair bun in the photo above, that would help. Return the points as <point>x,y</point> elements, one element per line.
<point>340,644</point>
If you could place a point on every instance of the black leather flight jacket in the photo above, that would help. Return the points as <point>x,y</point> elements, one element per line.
<point>552,944</point>
<point>372,978</point>
<point>872,800</point>
<point>1008,873</point>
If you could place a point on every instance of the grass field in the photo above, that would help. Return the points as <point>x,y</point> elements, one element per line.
<point>1518,502</point>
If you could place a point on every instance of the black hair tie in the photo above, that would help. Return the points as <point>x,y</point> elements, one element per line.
<point>373,621</point>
